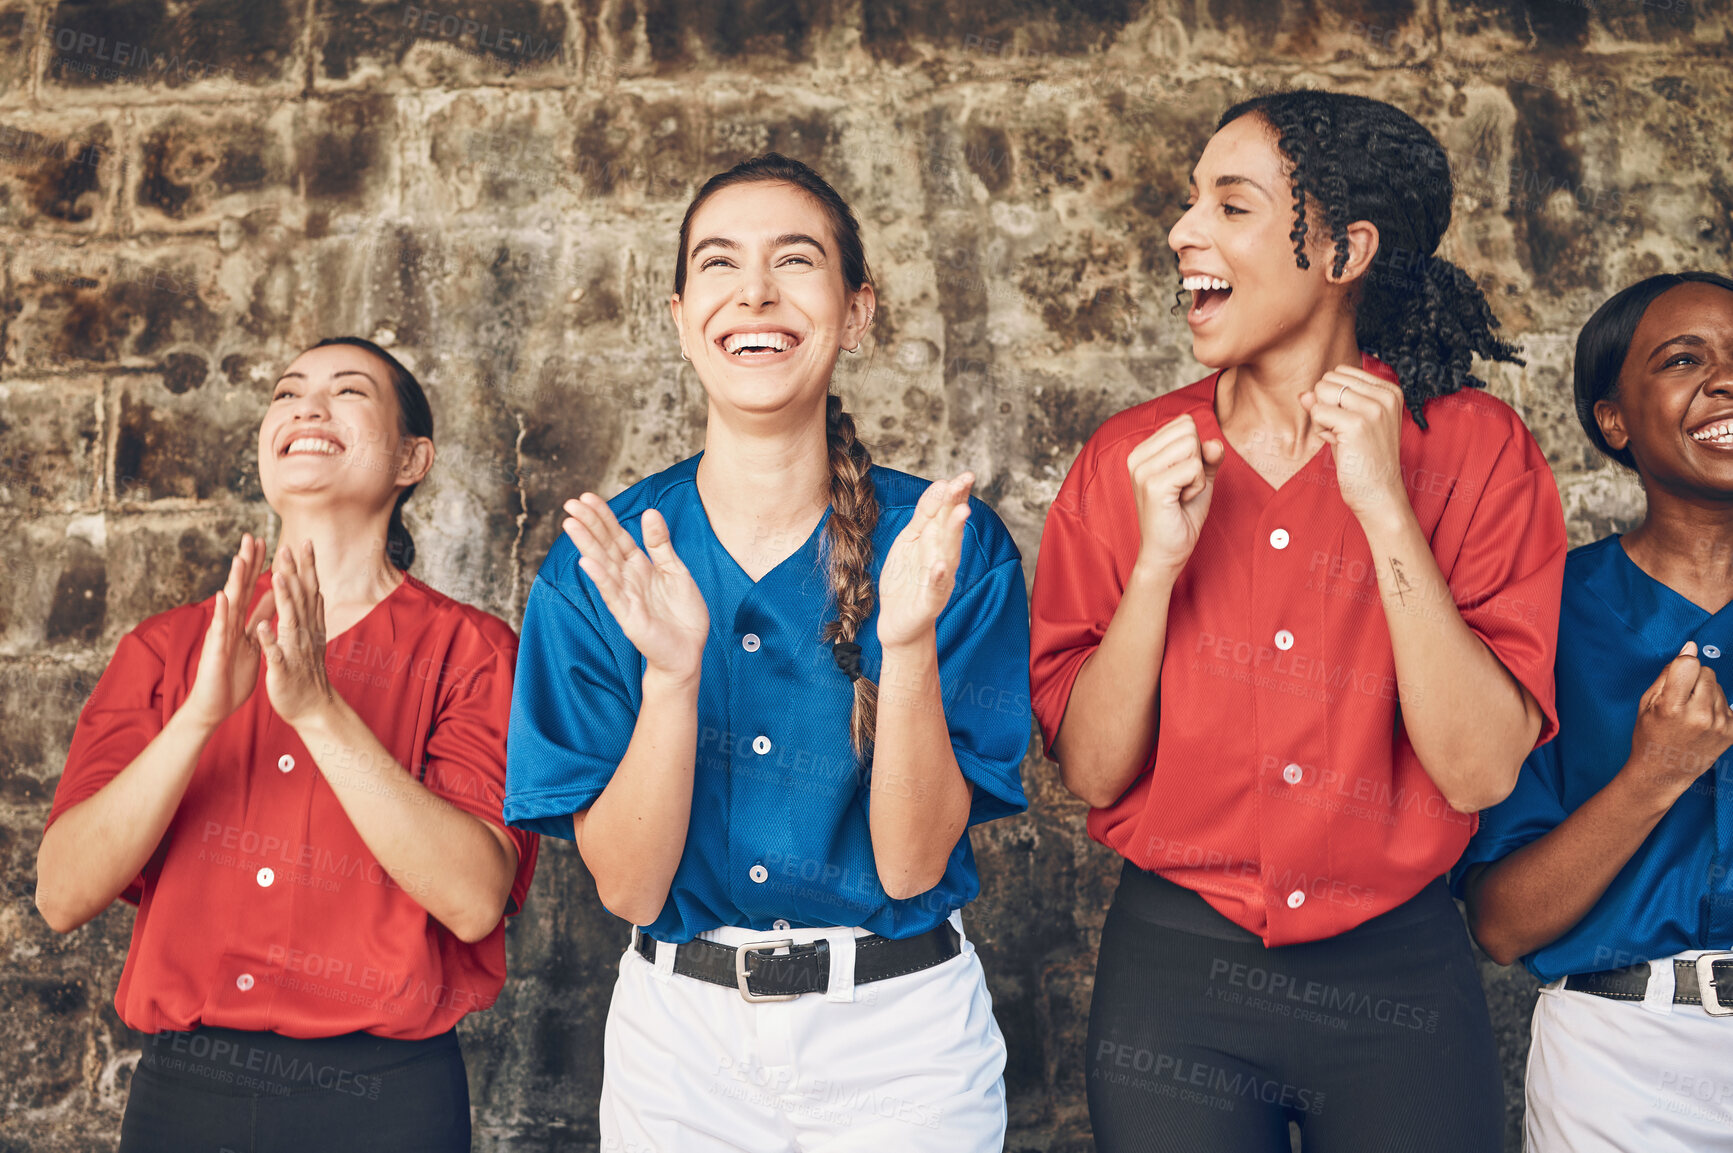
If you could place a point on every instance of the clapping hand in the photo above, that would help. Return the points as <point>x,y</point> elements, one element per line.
<point>921,566</point>
<point>654,598</point>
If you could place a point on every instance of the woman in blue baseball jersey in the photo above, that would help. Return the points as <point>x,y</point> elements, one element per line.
<point>765,692</point>
<point>1607,871</point>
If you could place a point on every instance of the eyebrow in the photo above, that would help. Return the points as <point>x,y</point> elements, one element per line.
<point>334,376</point>
<point>1683,338</point>
<point>1229,181</point>
<point>783,241</point>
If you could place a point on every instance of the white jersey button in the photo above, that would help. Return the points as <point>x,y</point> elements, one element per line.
<point>266,876</point>
<point>1284,640</point>
<point>1293,774</point>
<point>1711,651</point>
<point>759,874</point>
<point>1279,538</point>
<point>761,745</point>
<point>285,762</point>
<point>1296,899</point>
<point>244,982</point>
<point>750,642</point>
<point>780,923</point>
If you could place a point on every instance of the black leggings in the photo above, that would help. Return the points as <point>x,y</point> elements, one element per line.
<point>231,1091</point>
<point>1374,1041</point>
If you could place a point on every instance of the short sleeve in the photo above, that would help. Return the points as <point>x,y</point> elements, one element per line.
<point>1509,576</point>
<point>466,760</point>
<point>983,651</point>
<point>123,715</point>
<point>1076,592</point>
<point>1533,809</point>
<point>575,703</point>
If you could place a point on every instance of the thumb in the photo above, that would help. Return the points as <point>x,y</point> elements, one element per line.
<point>267,638</point>
<point>1214,452</point>
<point>1676,681</point>
<point>657,541</point>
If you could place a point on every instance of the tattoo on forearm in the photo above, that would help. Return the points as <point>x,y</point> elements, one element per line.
<point>1403,588</point>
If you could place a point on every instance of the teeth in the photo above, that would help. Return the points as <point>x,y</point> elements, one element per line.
<point>777,341</point>
<point>1719,434</point>
<point>1199,283</point>
<point>314,444</point>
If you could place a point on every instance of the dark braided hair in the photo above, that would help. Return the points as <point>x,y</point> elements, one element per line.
<point>854,505</point>
<point>415,419</point>
<point>1352,158</point>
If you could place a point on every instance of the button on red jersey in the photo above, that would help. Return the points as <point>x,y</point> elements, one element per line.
<point>262,908</point>
<point>1283,787</point>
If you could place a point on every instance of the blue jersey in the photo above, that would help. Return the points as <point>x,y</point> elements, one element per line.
<point>779,828</point>
<point>1618,628</point>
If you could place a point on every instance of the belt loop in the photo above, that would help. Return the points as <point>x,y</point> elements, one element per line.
<point>841,943</point>
<point>665,961</point>
<point>956,919</point>
<point>1658,997</point>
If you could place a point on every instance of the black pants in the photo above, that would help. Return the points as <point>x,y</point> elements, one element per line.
<point>1375,1041</point>
<point>230,1091</point>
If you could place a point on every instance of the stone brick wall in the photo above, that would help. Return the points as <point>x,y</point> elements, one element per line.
<point>191,191</point>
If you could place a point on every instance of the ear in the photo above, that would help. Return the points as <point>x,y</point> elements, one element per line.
<point>860,317</point>
<point>1612,421</point>
<point>1362,249</point>
<point>416,462</point>
<point>676,311</point>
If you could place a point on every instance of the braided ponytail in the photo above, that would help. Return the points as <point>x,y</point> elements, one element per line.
<point>848,545</point>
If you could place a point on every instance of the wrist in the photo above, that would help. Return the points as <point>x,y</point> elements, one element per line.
<point>192,724</point>
<point>1389,523</point>
<point>1644,790</point>
<point>1155,574</point>
<point>922,646</point>
<point>322,721</point>
<point>663,682</point>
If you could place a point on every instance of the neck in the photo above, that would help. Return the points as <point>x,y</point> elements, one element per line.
<point>349,552</point>
<point>1686,543</point>
<point>764,485</point>
<point>1264,393</point>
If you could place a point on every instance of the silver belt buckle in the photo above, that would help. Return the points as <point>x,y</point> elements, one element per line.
<point>1706,984</point>
<point>741,952</point>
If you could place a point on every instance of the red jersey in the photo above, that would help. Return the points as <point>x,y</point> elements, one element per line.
<point>1282,786</point>
<point>262,908</point>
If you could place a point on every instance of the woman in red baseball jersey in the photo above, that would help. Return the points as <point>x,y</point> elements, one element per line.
<point>311,830</point>
<point>1293,625</point>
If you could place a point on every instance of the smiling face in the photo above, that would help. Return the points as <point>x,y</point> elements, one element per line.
<point>1236,257</point>
<point>1673,407</point>
<point>764,310</point>
<point>333,431</point>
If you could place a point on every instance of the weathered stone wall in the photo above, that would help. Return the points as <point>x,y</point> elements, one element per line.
<point>191,192</point>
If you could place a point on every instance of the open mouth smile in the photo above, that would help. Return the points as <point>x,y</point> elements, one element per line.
<point>1718,433</point>
<point>1209,295</point>
<point>312,443</point>
<point>759,345</point>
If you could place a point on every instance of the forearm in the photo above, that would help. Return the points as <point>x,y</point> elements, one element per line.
<point>98,846</point>
<point>633,835</point>
<point>1538,893</point>
<point>920,799</point>
<point>452,863</point>
<point>1470,722</point>
<point>1111,718</point>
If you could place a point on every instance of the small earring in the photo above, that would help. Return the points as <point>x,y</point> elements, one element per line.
<point>855,349</point>
<point>683,356</point>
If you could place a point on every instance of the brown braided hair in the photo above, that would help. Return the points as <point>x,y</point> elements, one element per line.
<point>854,505</point>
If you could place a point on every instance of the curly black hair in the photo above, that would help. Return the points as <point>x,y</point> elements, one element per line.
<point>1352,158</point>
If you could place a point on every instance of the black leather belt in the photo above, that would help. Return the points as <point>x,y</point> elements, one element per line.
<point>1702,981</point>
<point>763,974</point>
